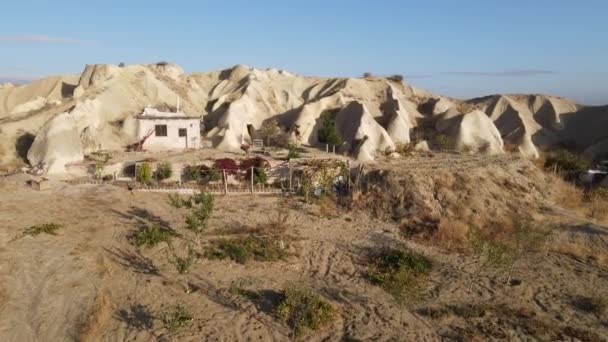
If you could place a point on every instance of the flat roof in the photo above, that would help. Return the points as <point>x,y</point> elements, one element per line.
<point>152,117</point>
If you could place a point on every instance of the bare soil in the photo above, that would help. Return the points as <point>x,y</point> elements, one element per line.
<point>90,282</point>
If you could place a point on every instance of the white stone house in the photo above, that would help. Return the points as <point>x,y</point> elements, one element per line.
<point>162,131</point>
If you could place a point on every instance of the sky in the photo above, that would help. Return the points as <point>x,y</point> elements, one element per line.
<point>464,48</point>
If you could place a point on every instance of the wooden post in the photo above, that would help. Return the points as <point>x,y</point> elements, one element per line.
<point>326,148</point>
<point>348,179</point>
<point>252,171</point>
<point>225,182</point>
<point>334,149</point>
<point>289,161</point>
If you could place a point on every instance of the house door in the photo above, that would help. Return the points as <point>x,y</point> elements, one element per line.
<point>183,133</point>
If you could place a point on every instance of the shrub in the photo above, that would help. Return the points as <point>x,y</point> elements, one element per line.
<point>98,172</point>
<point>269,131</point>
<point>396,78</point>
<point>293,152</point>
<point>400,273</point>
<point>178,202</point>
<point>566,163</point>
<point>244,249</point>
<point>230,165</point>
<point>301,309</point>
<point>192,172</point>
<point>259,165</point>
<point>151,236</point>
<point>46,228</point>
<point>277,225</point>
<point>183,264</point>
<point>404,149</point>
<point>178,318</point>
<point>197,220</point>
<point>504,249</point>
<point>391,263</point>
<point>144,173</point>
<point>599,304</point>
<point>367,75</point>
<point>328,133</point>
<point>164,170</point>
<point>443,142</point>
<point>212,174</point>
<point>595,203</point>
<point>121,65</point>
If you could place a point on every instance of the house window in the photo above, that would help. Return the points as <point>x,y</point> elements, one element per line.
<point>160,130</point>
<point>182,132</point>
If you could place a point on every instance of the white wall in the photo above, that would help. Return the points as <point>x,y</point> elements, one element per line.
<point>172,141</point>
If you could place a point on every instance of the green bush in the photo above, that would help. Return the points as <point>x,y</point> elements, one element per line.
<point>213,175</point>
<point>202,208</point>
<point>568,164</point>
<point>260,176</point>
<point>98,172</point>
<point>443,142</point>
<point>293,152</point>
<point>192,172</point>
<point>301,309</point>
<point>400,273</point>
<point>183,264</point>
<point>178,318</point>
<point>151,236</point>
<point>328,133</point>
<point>390,263</point>
<point>164,170</point>
<point>244,249</point>
<point>144,173</point>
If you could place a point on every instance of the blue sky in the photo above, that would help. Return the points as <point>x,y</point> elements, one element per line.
<point>463,48</point>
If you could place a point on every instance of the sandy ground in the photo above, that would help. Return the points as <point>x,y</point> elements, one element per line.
<point>90,283</point>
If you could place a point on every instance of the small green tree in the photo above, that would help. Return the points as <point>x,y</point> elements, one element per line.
<point>270,129</point>
<point>328,133</point>
<point>293,152</point>
<point>566,163</point>
<point>98,172</point>
<point>144,173</point>
<point>164,170</point>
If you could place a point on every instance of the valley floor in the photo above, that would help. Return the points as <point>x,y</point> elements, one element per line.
<point>90,283</point>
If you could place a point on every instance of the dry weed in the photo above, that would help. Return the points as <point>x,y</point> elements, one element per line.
<point>597,204</point>
<point>578,249</point>
<point>566,194</point>
<point>92,326</point>
<point>451,234</point>
<point>328,207</point>
<point>444,181</point>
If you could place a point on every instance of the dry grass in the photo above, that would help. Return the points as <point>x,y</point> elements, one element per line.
<point>597,202</point>
<point>566,194</point>
<point>451,234</point>
<point>3,298</point>
<point>92,326</point>
<point>592,204</point>
<point>445,181</point>
<point>328,207</point>
<point>578,249</point>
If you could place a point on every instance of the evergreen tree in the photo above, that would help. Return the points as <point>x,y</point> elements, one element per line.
<point>328,134</point>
